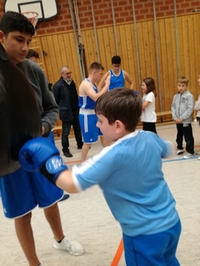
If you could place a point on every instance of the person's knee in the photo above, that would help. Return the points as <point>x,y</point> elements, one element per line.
<point>24,219</point>
<point>86,146</point>
<point>51,208</point>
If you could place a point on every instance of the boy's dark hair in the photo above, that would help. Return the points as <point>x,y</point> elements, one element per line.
<point>96,65</point>
<point>13,21</point>
<point>120,104</point>
<point>116,60</point>
<point>183,80</point>
<point>32,53</point>
<point>150,85</point>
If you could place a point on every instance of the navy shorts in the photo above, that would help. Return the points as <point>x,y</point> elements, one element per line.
<point>22,191</point>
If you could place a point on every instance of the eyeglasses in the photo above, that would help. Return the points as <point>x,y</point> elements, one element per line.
<point>116,66</point>
<point>66,73</point>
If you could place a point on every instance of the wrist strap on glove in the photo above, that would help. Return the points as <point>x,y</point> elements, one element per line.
<point>52,168</point>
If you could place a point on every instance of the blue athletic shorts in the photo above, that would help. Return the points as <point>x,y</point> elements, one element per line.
<point>22,191</point>
<point>153,250</point>
<point>51,137</point>
<point>88,126</point>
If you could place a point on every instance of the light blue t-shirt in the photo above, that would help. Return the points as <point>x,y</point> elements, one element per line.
<point>130,174</point>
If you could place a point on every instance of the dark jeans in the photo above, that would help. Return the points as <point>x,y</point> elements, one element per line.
<point>66,125</point>
<point>186,131</point>
<point>148,126</point>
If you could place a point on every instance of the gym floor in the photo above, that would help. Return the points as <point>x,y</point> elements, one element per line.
<point>87,219</point>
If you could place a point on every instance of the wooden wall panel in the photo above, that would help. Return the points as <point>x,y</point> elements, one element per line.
<point>172,70</point>
<point>107,45</point>
<point>147,53</point>
<point>36,46</point>
<point>88,39</point>
<point>131,56</point>
<point>189,43</point>
<point>61,49</point>
<point>102,43</point>
<point>191,72</point>
<point>196,69</point>
<point>166,35</point>
<point>162,60</point>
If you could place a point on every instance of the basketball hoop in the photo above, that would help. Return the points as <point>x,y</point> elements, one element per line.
<point>32,16</point>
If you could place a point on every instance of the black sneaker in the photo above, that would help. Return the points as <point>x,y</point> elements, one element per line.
<point>67,154</point>
<point>79,147</point>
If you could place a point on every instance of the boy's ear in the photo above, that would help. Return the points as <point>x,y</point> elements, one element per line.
<point>1,35</point>
<point>119,126</point>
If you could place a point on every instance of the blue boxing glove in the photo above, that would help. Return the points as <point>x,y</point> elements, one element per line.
<point>40,154</point>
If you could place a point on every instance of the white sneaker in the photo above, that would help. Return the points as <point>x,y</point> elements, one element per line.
<point>73,247</point>
<point>179,152</point>
<point>198,158</point>
<point>187,156</point>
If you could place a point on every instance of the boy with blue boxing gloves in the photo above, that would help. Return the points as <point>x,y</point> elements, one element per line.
<point>129,174</point>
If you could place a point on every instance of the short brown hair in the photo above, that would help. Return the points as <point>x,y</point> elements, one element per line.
<point>183,80</point>
<point>32,53</point>
<point>120,104</point>
<point>96,65</point>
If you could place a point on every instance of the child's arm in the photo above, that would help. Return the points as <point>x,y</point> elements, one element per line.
<point>42,155</point>
<point>197,104</point>
<point>145,104</point>
<point>128,78</point>
<point>190,108</point>
<point>66,182</point>
<point>150,98</point>
<point>102,81</point>
<point>170,149</point>
<point>173,108</point>
<point>167,148</point>
<point>87,89</point>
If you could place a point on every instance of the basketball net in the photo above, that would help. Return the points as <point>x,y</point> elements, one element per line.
<point>32,16</point>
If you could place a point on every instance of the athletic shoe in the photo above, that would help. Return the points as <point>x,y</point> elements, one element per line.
<point>67,154</point>
<point>73,247</point>
<point>187,156</point>
<point>79,147</point>
<point>180,152</point>
<point>198,158</point>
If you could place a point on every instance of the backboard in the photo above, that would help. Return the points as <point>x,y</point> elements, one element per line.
<point>45,8</point>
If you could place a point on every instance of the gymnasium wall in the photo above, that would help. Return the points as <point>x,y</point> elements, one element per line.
<point>103,12</point>
<point>61,49</point>
<point>160,55</point>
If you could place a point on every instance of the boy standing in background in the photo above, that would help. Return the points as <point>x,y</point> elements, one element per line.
<point>182,109</point>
